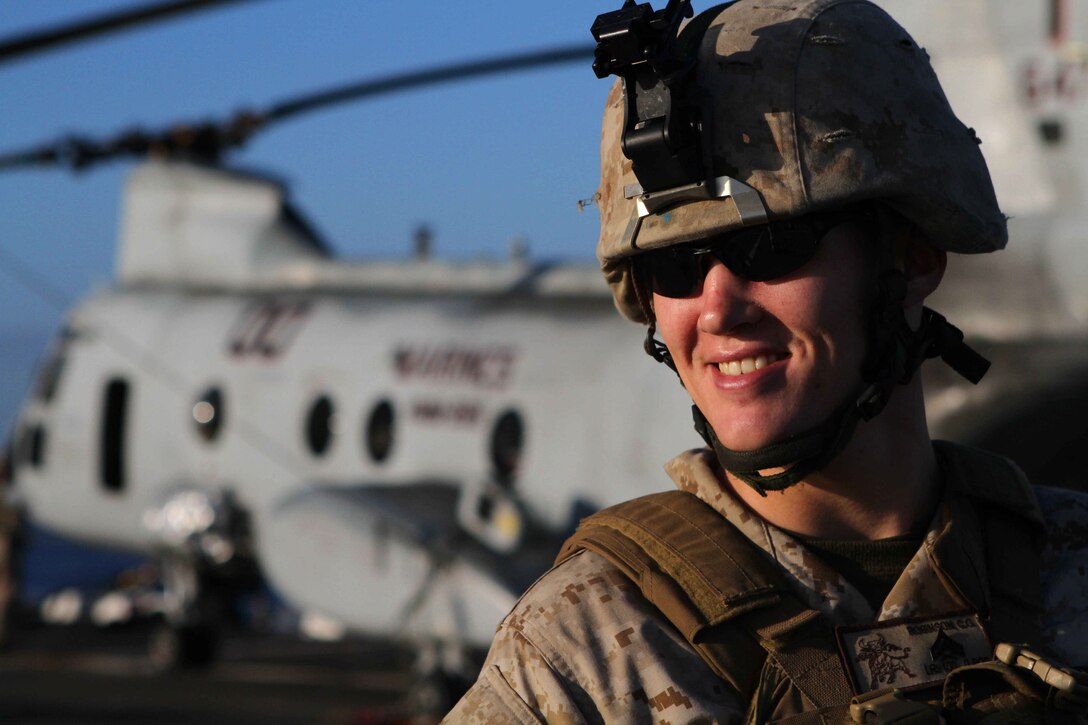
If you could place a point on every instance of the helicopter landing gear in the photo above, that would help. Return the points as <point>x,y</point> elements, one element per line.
<point>193,617</point>
<point>177,648</point>
<point>205,563</point>
<point>444,673</point>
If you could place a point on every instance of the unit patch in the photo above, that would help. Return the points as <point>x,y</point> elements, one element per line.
<point>911,653</point>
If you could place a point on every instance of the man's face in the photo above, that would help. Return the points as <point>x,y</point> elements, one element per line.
<point>765,360</point>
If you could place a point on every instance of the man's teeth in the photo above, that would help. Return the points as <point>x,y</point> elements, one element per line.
<point>747,365</point>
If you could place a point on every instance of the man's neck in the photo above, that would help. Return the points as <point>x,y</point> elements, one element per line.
<point>885,483</point>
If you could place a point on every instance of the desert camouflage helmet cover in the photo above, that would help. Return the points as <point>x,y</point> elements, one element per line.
<point>816,105</point>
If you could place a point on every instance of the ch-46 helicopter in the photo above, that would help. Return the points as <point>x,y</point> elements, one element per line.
<point>401,445</point>
<point>397,445</point>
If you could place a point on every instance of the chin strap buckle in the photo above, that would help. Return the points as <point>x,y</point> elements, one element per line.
<point>957,353</point>
<point>938,337</point>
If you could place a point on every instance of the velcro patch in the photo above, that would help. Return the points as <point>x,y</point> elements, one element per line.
<point>911,652</point>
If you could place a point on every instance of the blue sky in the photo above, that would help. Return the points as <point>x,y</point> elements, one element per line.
<point>481,162</point>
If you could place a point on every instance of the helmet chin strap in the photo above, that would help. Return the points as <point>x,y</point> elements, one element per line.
<point>804,453</point>
<point>895,355</point>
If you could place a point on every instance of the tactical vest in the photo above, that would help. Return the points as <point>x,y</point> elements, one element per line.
<point>736,609</point>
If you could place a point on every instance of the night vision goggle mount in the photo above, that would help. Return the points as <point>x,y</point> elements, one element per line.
<point>660,131</point>
<point>664,133</point>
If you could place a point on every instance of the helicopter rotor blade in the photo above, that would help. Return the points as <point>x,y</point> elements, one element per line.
<point>207,141</point>
<point>13,47</point>
<point>431,76</point>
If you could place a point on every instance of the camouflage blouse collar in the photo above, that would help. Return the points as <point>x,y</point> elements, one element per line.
<point>926,587</point>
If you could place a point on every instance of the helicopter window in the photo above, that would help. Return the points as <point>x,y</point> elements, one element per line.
<point>379,432</point>
<point>49,378</point>
<point>321,425</point>
<point>208,414</point>
<point>114,415</point>
<point>507,441</point>
<point>1051,131</point>
<point>30,445</point>
<point>37,446</point>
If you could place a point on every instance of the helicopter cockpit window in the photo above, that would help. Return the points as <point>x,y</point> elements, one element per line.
<point>507,442</point>
<point>379,432</point>
<point>321,425</point>
<point>37,446</point>
<point>208,413</point>
<point>29,445</point>
<point>49,377</point>
<point>114,419</point>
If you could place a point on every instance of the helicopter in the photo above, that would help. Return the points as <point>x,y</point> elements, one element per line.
<point>384,416</point>
<point>401,444</point>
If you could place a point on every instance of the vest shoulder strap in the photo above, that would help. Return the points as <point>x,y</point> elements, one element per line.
<point>724,595</point>
<point>990,479</point>
<point>1013,534</point>
<point>675,533</point>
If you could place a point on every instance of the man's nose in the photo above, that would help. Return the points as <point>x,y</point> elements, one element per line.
<point>726,301</point>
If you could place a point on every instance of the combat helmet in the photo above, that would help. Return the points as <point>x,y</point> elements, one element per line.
<point>757,113</point>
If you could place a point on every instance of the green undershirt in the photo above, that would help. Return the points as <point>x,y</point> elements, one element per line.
<point>873,567</point>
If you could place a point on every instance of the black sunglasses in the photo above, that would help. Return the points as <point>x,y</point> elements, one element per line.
<point>758,254</point>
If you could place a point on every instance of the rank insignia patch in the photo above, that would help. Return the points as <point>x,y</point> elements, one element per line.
<point>910,652</point>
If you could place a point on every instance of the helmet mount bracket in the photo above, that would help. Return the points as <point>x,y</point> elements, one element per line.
<point>662,127</point>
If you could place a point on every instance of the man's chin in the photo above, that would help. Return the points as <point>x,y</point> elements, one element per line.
<point>750,435</point>
<point>744,441</point>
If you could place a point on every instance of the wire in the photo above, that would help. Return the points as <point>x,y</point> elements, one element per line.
<point>33,280</point>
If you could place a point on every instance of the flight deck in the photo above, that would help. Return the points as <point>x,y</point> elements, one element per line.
<point>84,674</point>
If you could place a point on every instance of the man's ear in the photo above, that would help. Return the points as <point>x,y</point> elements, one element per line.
<point>924,267</point>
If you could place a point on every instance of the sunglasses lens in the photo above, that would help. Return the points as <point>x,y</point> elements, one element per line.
<point>768,253</point>
<point>672,272</point>
<point>758,254</point>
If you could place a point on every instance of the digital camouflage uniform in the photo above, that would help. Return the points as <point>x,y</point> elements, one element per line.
<point>584,646</point>
<point>792,109</point>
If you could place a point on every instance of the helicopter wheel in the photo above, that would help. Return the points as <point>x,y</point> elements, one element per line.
<point>189,633</point>
<point>434,694</point>
<point>185,647</point>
